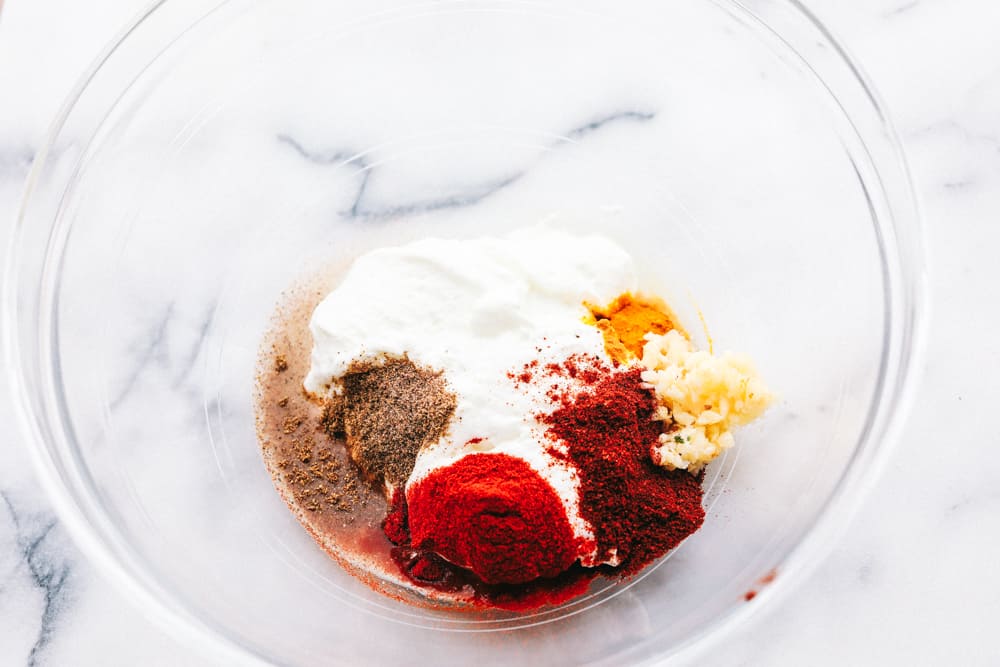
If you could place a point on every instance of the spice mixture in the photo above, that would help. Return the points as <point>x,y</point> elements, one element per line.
<point>488,433</point>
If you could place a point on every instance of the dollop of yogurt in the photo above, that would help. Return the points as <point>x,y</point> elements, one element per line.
<point>479,310</point>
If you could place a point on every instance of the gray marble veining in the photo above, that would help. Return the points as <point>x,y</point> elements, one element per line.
<point>43,568</point>
<point>468,196</point>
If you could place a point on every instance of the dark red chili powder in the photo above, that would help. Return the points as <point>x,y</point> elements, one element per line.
<point>493,514</point>
<point>606,431</point>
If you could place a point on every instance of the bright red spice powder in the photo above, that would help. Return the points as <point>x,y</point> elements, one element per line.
<point>426,568</point>
<point>493,514</point>
<point>636,507</point>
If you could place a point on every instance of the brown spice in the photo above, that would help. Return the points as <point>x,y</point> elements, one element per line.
<point>313,476</point>
<point>388,411</point>
<point>291,424</point>
<point>309,469</point>
<point>343,522</point>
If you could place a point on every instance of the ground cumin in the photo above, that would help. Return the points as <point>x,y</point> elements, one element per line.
<point>310,470</point>
<point>386,412</point>
<point>626,320</point>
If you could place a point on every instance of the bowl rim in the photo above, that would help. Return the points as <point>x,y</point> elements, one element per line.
<point>892,399</point>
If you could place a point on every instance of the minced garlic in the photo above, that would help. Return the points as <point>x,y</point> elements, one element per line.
<point>702,396</point>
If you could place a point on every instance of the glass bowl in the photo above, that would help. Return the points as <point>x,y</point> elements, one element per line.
<point>215,153</point>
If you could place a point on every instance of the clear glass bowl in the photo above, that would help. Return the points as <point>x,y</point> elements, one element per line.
<point>214,154</point>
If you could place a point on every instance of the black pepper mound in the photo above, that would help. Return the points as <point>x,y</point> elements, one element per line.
<point>386,413</point>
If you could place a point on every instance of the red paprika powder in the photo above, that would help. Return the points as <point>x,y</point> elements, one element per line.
<point>493,514</point>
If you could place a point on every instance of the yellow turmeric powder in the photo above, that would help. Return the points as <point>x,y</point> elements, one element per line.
<point>626,320</point>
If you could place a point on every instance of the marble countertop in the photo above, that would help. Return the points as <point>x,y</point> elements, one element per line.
<point>915,581</point>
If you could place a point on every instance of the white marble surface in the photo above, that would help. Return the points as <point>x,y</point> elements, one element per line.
<point>915,581</point>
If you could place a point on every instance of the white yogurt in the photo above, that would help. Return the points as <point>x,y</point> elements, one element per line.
<point>478,310</point>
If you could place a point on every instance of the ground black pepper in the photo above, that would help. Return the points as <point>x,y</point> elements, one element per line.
<point>387,411</point>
